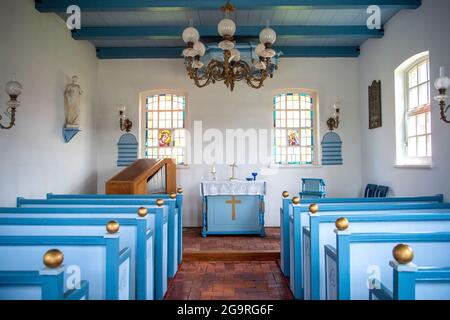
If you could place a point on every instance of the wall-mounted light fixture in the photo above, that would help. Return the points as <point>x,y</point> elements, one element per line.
<point>124,121</point>
<point>333,121</point>
<point>13,89</point>
<point>442,83</point>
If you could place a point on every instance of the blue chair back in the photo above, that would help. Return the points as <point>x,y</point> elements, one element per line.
<point>370,190</point>
<point>381,192</point>
<point>312,187</point>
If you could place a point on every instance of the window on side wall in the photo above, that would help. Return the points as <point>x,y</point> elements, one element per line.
<point>413,111</point>
<point>164,125</point>
<point>295,128</point>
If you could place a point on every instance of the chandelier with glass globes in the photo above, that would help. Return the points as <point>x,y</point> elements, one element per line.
<point>232,68</point>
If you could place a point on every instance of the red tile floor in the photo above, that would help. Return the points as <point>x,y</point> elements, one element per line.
<point>229,280</point>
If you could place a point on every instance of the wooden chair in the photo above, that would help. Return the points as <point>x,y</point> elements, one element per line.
<point>312,188</point>
<point>381,192</point>
<point>370,190</point>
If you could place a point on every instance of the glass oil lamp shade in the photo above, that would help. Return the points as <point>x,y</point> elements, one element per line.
<point>267,35</point>
<point>190,52</point>
<point>200,48</point>
<point>259,49</point>
<point>235,55</point>
<point>268,53</point>
<point>190,35</point>
<point>226,27</point>
<point>13,88</point>
<point>226,45</point>
<point>442,83</point>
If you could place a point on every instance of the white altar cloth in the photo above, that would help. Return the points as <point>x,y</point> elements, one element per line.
<point>226,188</point>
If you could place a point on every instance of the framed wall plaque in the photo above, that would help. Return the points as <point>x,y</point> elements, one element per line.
<point>375,105</point>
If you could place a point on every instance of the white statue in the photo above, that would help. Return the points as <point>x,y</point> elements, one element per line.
<point>72,98</point>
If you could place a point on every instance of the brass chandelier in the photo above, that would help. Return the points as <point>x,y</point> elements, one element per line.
<point>232,68</point>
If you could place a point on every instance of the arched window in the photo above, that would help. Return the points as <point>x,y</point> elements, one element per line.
<point>295,127</point>
<point>163,124</point>
<point>413,111</point>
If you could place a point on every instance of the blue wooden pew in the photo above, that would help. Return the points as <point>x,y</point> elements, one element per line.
<point>133,231</point>
<point>178,205</point>
<point>39,285</point>
<point>170,203</point>
<point>99,259</point>
<point>356,254</point>
<point>299,219</point>
<point>411,282</point>
<point>284,215</point>
<point>156,220</point>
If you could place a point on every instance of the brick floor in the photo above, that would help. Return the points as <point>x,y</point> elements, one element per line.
<point>229,281</point>
<point>193,242</point>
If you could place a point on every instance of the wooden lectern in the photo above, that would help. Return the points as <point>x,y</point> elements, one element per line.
<point>145,176</point>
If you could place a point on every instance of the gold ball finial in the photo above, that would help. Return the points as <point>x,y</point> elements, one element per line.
<point>403,253</point>
<point>296,200</point>
<point>53,258</point>
<point>313,208</point>
<point>341,224</point>
<point>172,195</point>
<point>180,190</point>
<point>142,212</point>
<point>112,227</point>
<point>285,194</point>
<point>159,202</point>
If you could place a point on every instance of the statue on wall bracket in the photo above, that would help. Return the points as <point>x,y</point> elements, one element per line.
<point>72,101</point>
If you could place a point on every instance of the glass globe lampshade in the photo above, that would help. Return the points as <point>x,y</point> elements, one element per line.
<point>259,49</point>
<point>200,48</point>
<point>235,55</point>
<point>267,35</point>
<point>268,53</point>
<point>13,88</point>
<point>226,27</point>
<point>189,52</point>
<point>442,83</point>
<point>190,34</point>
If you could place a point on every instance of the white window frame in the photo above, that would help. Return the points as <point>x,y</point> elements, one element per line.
<point>403,160</point>
<point>315,125</point>
<point>143,125</point>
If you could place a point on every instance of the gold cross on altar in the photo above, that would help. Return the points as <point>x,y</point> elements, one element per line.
<point>233,202</point>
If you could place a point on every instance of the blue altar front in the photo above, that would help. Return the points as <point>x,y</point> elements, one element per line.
<point>233,207</point>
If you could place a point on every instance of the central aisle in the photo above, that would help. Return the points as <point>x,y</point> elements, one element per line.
<point>230,268</point>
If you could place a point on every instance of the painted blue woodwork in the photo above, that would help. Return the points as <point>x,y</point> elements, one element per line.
<point>321,228</point>
<point>50,284</point>
<point>99,266</point>
<point>331,149</point>
<point>164,32</point>
<point>175,52</point>
<point>358,251</point>
<point>369,192</point>
<point>127,5</point>
<point>179,207</point>
<point>284,217</point>
<point>173,231</point>
<point>312,188</point>
<point>284,236</point>
<point>69,133</point>
<point>358,211</point>
<point>218,217</point>
<point>127,150</point>
<point>156,219</point>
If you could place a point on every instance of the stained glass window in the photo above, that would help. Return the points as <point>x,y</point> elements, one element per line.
<point>294,128</point>
<point>165,127</point>
<point>418,111</point>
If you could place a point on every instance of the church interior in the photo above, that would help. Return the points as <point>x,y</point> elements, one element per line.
<point>225,150</point>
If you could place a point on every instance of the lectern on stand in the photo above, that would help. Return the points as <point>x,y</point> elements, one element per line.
<point>145,176</point>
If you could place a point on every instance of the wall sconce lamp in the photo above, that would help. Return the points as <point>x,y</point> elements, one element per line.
<point>124,121</point>
<point>442,83</point>
<point>333,121</point>
<point>13,89</point>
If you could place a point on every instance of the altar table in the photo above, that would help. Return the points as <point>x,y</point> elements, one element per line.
<point>233,207</point>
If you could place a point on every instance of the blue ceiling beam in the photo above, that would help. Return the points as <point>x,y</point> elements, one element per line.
<point>170,32</point>
<point>129,5</point>
<point>175,52</point>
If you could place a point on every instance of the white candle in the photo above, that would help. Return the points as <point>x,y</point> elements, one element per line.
<point>442,71</point>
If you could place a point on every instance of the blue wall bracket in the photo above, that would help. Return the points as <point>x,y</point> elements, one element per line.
<point>69,133</point>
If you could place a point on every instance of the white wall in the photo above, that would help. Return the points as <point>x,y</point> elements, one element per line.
<point>408,33</point>
<point>123,80</point>
<point>34,158</point>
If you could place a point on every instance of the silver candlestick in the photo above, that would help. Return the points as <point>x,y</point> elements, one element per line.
<point>233,166</point>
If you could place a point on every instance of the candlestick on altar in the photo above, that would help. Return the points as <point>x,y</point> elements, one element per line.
<point>233,166</point>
